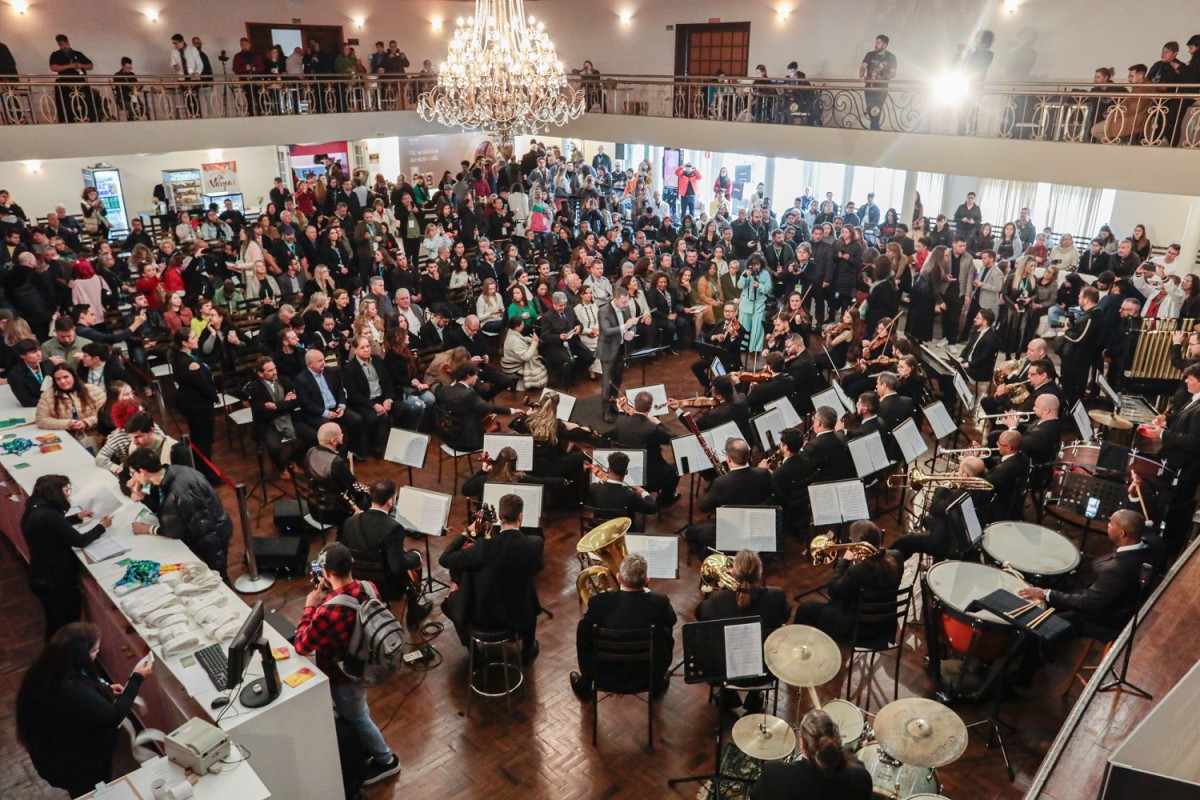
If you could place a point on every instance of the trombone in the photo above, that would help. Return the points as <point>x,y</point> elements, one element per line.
<point>1022,415</point>
<point>917,480</point>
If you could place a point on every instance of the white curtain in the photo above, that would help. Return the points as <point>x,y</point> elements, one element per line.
<point>1075,210</point>
<point>932,188</point>
<point>1001,201</point>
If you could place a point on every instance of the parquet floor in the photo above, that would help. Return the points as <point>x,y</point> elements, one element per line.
<point>542,749</point>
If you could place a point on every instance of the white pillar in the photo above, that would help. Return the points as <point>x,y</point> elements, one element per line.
<point>1190,243</point>
<point>909,196</point>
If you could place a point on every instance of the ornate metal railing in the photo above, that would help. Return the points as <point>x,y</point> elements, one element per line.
<point>1149,116</point>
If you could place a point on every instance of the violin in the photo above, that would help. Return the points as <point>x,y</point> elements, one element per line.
<point>491,423</point>
<point>693,402</point>
<point>755,377</point>
<point>839,328</point>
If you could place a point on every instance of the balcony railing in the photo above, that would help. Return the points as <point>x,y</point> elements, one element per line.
<point>1148,116</point>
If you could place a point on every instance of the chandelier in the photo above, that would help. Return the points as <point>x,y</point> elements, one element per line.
<point>501,75</point>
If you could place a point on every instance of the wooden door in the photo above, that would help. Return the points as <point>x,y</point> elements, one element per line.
<point>330,37</point>
<point>701,50</point>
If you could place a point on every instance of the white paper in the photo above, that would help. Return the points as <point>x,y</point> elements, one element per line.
<point>868,453</point>
<point>971,519</point>
<point>566,404</point>
<point>939,420</point>
<point>530,493</point>
<point>658,393</point>
<point>852,497</point>
<point>718,436</point>
<point>912,443</point>
<point>661,553</point>
<point>689,457</point>
<point>98,498</point>
<point>847,403</point>
<point>1108,389</point>
<point>637,464</point>
<point>120,789</point>
<point>964,391</point>
<point>823,501</point>
<point>407,448</point>
<point>743,650</point>
<point>791,419</point>
<point>768,426</point>
<point>1082,421</point>
<point>104,548</point>
<point>742,528</point>
<point>493,443</point>
<point>423,511</point>
<point>830,398</point>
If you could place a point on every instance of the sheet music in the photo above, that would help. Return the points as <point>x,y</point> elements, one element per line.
<point>823,501</point>
<point>658,391</point>
<point>971,519</point>
<point>689,458</point>
<point>493,443</point>
<point>566,404</point>
<point>104,548</point>
<point>790,418</point>
<point>768,426</point>
<point>407,448</point>
<point>529,492</point>
<point>869,454</point>
<point>661,553</point>
<point>852,497</point>
<point>637,463</point>
<point>939,420</point>
<point>831,398</point>
<point>964,391</point>
<point>718,436</point>
<point>423,511</point>
<point>1082,421</point>
<point>847,403</point>
<point>1107,388</point>
<point>912,443</point>
<point>741,528</point>
<point>743,650</point>
<point>98,498</point>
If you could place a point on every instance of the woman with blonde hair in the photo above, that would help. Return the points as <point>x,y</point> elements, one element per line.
<point>553,456</point>
<point>1065,255</point>
<point>368,323</point>
<point>489,307</point>
<point>318,304</point>
<point>321,281</point>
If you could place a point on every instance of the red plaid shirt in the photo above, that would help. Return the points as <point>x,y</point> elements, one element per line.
<point>326,629</point>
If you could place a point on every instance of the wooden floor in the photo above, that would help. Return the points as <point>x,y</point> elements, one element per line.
<point>542,749</point>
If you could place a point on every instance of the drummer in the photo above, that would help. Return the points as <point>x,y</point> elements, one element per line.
<point>827,770</point>
<point>938,539</point>
<point>1101,610</point>
<point>851,576</point>
<point>751,598</point>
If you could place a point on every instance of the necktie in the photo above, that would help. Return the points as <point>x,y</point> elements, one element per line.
<point>1152,311</point>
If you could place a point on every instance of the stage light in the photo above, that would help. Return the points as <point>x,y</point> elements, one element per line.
<point>20,6</point>
<point>358,22</point>
<point>951,88</point>
<point>783,12</point>
<point>33,166</point>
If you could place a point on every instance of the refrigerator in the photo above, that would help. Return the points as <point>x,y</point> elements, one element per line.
<point>107,183</point>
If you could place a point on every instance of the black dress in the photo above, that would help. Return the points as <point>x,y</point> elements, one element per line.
<point>53,566</point>
<point>196,392</point>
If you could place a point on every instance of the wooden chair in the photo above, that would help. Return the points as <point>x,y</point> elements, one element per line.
<point>1081,666</point>
<point>623,650</point>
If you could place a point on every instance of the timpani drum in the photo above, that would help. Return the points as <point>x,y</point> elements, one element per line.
<point>924,796</point>
<point>850,722</point>
<point>893,780</point>
<point>955,585</point>
<point>1038,553</point>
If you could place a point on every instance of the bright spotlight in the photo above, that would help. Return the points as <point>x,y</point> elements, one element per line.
<point>951,88</point>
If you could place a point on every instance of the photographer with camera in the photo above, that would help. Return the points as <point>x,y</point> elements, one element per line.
<point>689,186</point>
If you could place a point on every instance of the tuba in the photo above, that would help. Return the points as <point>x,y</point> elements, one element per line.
<point>606,542</point>
<point>716,572</point>
<point>824,550</point>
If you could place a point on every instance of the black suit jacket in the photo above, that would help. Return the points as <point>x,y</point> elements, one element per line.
<point>312,407</point>
<point>259,396</point>
<point>735,411</point>
<point>828,458</point>
<point>980,354</point>
<point>1104,608</point>
<point>25,385</point>
<point>770,603</point>
<point>624,610</point>
<point>502,570</point>
<point>635,432</point>
<point>358,389</point>
<point>457,337</point>
<point>748,486</point>
<point>1007,477</point>
<point>894,409</point>
<point>1180,440</point>
<point>1040,442</point>
<point>1049,387</point>
<point>375,534</point>
<point>429,336</point>
<point>762,393</point>
<point>466,410</point>
<point>609,495</point>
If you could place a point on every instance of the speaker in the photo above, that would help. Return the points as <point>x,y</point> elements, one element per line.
<point>283,554</point>
<point>289,517</point>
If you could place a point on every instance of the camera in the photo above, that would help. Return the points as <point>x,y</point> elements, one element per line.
<point>223,56</point>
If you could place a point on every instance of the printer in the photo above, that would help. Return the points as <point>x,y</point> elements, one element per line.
<point>197,745</point>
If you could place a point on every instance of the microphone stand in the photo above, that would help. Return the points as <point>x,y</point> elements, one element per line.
<point>1120,682</point>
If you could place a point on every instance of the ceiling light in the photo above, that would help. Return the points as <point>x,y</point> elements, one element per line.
<point>152,16</point>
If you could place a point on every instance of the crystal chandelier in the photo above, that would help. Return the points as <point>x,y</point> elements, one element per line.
<point>501,75</point>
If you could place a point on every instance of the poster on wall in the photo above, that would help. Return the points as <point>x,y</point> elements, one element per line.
<point>436,154</point>
<point>314,160</point>
<point>220,177</point>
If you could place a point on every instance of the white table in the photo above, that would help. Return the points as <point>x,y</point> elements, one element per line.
<point>233,781</point>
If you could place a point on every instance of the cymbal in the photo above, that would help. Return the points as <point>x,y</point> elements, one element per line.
<point>764,737</point>
<point>1110,420</point>
<point>920,732</point>
<point>800,655</point>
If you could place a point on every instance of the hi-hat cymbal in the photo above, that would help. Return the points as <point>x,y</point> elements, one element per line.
<point>920,732</point>
<point>800,655</point>
<point>1108,420</point>
<point>764,737</point>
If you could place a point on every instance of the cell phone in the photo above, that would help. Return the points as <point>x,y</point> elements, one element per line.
<point>1093,507</point>
<point>317,571</point>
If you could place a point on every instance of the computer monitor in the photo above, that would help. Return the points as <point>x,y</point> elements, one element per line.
<point>249,639</point>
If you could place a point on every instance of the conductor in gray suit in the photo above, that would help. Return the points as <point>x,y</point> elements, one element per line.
<point>617,322</point>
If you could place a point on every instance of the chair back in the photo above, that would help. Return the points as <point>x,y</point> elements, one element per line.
<point>623,660</point>
<point>877,608</point>
<point>371,565</point>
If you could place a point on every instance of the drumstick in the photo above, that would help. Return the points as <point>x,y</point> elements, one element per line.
<point>1038,620</point>
<point>812,695</point>
<point>1016,612</point>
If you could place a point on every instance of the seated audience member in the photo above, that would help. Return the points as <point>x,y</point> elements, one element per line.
<point>633,607</point>
<point>614,493</point>
<point>27,377</point>
<point>853,575</point>
<point>99,366</point>
<point>273,408</point>
<point>376,536</point>
<point>64,347</point>
<point>67,404</point>
<point>465,409</point>
<point>322,400</point>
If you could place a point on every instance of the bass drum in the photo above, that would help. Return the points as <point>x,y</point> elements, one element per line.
<point>892,780</point>
<point>955,585</point>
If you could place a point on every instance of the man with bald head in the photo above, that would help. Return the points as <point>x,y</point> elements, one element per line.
<point>1008,473</point>
<point>323,400</point>
<point>468,335</point>
<point>938,539</point>
<point>742,485</point>
<point>331,477</point>
<point>1001,400</point>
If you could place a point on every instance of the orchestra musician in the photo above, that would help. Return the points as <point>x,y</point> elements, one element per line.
<point>827,770</point>
<point>866,408</point>
<point>800,364</point>
<point>778,383</point>
<point>826,454</point>
<point>912,382</point>
<point>776,338</point>
<point>730,337</point>
<point>553,453</point>
<point>1183,357</point>
<point>790,480</point>
<point>853,575</point>
<point>1084,339</point>
<point>877,355</point>
<point>1180,434</point>
<point>894,407</point>
<point>331,477</point>
<point>730,406</point>
<point>465,409</point>
<point>938,538</point>
<point>503,469</point>
<point>838,338</point>
<point>979,354</point>
<point>742,485</point>
<point>1008,472</point>
<point>612,492</point>
<point>637,429</point>
<point>999,400</point>
<point>1040,439</point>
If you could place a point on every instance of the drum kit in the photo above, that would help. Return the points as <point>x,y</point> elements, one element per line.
<point>909,739</point>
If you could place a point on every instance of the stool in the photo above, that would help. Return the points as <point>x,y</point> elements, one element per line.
<point>485,643</point>
<point>1082,666</point>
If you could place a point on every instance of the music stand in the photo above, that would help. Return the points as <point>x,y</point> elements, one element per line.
<point>704,662</point>
<point>1080,488</point>
<point>1120,682</point>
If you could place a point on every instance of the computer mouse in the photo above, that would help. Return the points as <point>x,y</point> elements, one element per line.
<point>219,701</point>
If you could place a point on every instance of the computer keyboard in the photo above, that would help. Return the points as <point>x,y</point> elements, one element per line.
<point>216,664</point>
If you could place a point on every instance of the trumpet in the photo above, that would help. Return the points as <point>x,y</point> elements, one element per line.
<point>823,550</point>
<point>982,452</point>
<point>1002,415</point>
<point>919,480</point>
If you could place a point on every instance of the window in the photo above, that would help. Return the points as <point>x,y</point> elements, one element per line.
<point>886,184</point>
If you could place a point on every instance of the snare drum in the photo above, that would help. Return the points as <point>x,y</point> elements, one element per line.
<point>895,781</point>
<point>1036,552</point>
<point>956,584</point>
<point>850,722</point>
